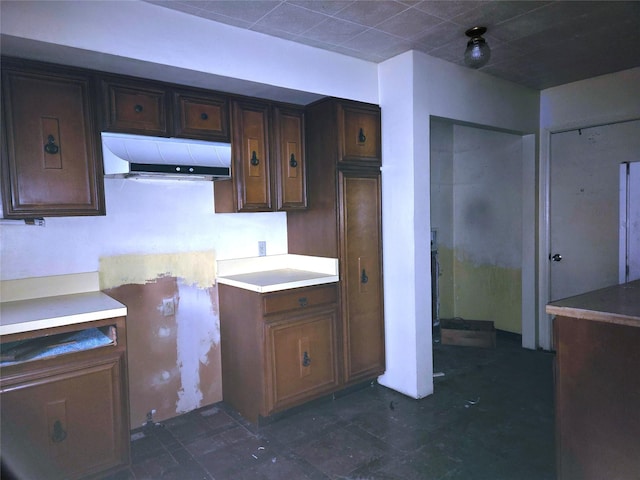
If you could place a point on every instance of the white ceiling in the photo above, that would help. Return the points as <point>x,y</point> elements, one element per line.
<point>538,44</point>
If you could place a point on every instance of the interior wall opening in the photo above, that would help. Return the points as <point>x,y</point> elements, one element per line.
<point>477,200</point>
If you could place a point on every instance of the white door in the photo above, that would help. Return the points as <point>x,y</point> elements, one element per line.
<point>629,222</point>
<point>584,205</point>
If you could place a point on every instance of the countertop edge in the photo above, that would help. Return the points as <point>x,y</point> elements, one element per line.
<point>278,286</point>
<point>56,311</point>
<point>595,316</point>
<point>44,323</point>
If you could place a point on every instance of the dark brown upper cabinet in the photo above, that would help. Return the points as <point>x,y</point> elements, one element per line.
<point>201,115</point>
<point>289,158</point>
<point>50,160</point>
<point>268,166</point>
<point>150,108</point>
<point>359,134</point>
<point>136,107</point>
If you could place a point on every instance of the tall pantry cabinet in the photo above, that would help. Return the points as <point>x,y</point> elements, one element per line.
<point>343,221</point>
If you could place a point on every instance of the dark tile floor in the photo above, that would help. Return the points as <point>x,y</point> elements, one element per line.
<point>491,417</point>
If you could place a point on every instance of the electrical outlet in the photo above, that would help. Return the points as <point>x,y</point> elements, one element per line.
<point>262,248</point>
<point>168,307</point>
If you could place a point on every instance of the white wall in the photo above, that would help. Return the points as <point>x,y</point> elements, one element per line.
<point>595,101</point>
<point>143,217</point>
<point>414,87</point>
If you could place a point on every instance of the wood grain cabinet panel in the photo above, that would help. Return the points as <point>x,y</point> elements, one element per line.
<point>359,132</point>
<point>251,162</point>
<point>50,158</point>
<point>135,107</point>
<point>201,116</point>
<point>72,419</point>
<point>290,163</point>
<point>302,358</point>
<point>363,326</point>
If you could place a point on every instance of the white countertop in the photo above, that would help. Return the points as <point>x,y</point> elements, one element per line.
<point>277,272</point>
<point>47,312</point>
<point>35,303</point>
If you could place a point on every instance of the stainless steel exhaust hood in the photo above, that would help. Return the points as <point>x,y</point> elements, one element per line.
<point>127,155</point>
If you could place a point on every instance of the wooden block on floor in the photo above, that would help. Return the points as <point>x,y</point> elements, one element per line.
<point>468,333</point>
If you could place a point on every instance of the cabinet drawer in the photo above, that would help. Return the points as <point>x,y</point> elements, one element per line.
<point>202,117</point>
<point>359,128</point>
<point>300,298</point>
<point>133,109</point>
<point>302,358</point>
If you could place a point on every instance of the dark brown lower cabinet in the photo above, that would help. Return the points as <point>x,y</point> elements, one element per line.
<point>278,349</point>
<point>597,384</point>
<point>67,417</point>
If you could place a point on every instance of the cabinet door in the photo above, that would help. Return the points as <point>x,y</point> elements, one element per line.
<point>205,117</point>
<point>50,162</point>
<point>251,157</point>
<point>135,108</point>
<point>361,275</point>
<point>359,134</point>
<point>66,425</point>
<point>301,353</point>
<point>290,164</point>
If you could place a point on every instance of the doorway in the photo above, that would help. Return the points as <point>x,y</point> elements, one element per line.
<point>584,199</point>
<point>477,202</point>
<point>580,211</point>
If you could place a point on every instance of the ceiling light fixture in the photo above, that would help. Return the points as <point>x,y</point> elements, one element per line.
<point>478,52</point>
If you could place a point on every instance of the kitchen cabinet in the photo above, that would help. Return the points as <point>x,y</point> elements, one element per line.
<point>268,165</point>
<point>360,247</point>
<point>358,134</point>
<point>597,386</point>
<point>344,221</point>
<point>290,163</point>
<point>132,106</point>
<point>251,161</point>
<point>149,108</point>
<point>199,115</point>
<point>50,161</point>
<point>279,349</point>
<point>66,415</point>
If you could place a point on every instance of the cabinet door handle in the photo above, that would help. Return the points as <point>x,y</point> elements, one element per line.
<point>361,136</point>
<point>306,360</point>
<point>302,301</point>
<point>254,159</point>
<point>364,278</point>
<point>138,108</point>
<point>204,116</point>
<point>50,146</point>
<point>293,162</point>
<point>59,433</point>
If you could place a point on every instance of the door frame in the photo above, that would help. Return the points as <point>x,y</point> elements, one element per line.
<point>545,330</point>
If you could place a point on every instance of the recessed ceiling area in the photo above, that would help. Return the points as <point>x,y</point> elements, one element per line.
<point>537,44</point>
